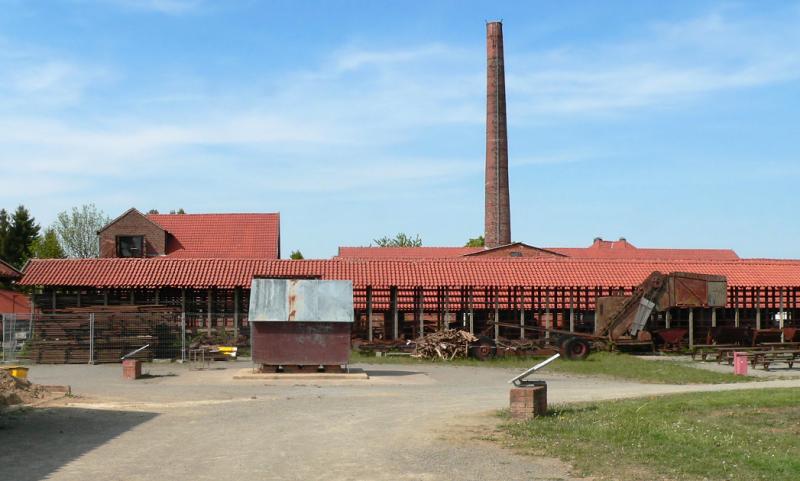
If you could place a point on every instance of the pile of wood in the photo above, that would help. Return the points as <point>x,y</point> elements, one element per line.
<point>120,309</point>
<point>445,345</point>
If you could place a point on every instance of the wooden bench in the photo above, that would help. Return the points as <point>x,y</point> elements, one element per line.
<point>703,350</point>
<point>765,358</point>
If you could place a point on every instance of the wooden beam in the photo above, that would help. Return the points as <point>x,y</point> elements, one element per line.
<point>780,319</point>
<point>105,296</point>
<point>421,311</point>
<point>758,309</point>
<point>496,314</point>
<point>691,328</point>
<point>571,312</point>
<point>237,295</point>
<point>395,321</point>
<point>471,312</point>
<point>736,317</point>
<point>209,307</point>
<point>713,317</point>
<point>522,313</point>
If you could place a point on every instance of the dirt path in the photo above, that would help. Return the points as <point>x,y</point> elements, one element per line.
<point>405,423</point>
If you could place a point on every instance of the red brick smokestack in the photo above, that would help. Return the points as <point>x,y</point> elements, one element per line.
<point>498,213</point>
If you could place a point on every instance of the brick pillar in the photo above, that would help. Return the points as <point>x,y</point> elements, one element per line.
<point>528,401</point>
<point>497,212</point>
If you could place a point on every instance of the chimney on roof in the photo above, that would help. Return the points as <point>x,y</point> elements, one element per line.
<point>497,218</point>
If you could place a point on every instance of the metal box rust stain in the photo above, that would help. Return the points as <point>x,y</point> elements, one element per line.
<point>301,321</point>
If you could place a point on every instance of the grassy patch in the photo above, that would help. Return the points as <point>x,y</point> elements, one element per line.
<point>612,365</point>
<point>734,435</point>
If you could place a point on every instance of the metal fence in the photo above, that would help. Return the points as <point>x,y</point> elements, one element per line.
<point>16,334</point>
<point>103,337</point>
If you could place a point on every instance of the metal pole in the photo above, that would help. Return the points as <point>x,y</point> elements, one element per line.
<point>3,323</point>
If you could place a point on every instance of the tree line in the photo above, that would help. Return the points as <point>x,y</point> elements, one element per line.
<point>72,234</point>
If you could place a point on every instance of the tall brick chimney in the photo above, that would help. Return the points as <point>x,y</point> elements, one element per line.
<point>498,214</point>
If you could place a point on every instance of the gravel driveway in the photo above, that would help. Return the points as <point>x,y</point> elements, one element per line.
<point>404,423</point>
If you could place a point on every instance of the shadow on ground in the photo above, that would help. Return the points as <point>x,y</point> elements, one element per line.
<point>387,373</point>
<point>37,442</point>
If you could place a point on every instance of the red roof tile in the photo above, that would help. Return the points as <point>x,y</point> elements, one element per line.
<point>405,252</point>
<point>600,249</point>
<point>228,273</point>
<point>7,271</point>
<point>222,236</point>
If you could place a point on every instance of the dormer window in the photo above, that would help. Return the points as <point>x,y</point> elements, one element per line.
<point>130,246</point>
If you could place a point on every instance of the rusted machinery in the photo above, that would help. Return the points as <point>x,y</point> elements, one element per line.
<point>621,321</point>
<point>301,324</point>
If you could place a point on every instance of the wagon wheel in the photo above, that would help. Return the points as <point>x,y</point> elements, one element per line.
<point>575,349</point>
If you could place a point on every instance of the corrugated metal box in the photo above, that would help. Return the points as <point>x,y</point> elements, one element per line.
<point>301,322</point>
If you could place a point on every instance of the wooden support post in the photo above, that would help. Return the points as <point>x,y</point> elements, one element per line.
<point>548,319</point>
<point>780,319</point>
<point>421,311</point>
<point>471,312</point>
<point>736,317</point>
<point>53,296</point>
<point>667,319</point>
<point>713,317</point>
<point>105,297</point>
<point>571,312</point>
<point>369,313</point>
<point>691,328</point>
<point>133,297</point>
<point>158,296</point>
<point>237,297</point>
<point>395,320</point>
<point>758,310</point>
<point>496,314</point>
<point>78,297</point>
<point>446,307</point>
<point>183,301</point>
<point>522,313</point>
<point>209,307</point>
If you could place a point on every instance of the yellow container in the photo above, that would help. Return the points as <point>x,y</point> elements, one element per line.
<point>19,372</point>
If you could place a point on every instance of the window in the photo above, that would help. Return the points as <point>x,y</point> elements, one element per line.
<point>130,246</point>
<point>515,254</point>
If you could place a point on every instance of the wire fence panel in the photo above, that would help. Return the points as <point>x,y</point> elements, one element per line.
<point>16,332</point>
<point>104,336</point>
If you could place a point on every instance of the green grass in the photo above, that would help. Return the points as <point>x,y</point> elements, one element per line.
<point>603,364</point>
<point>735,435</point>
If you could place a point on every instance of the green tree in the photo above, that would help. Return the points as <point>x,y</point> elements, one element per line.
<point>400,240</point>
<point>296,255</point>
<point>152,211</point>
<point>19,238</point>
<point>5,226</point>
<point>476,242</point>
<point>77,230</point>
<point>47,246</point>
<point>179,211</point>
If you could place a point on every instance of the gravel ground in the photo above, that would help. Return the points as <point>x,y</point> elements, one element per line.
<point>404,423</point>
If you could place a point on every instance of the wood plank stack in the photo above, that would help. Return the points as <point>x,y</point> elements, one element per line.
<point>64,337</point>
<point>446,345</point>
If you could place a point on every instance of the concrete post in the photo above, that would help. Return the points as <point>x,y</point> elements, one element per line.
<point>369,313</point>
<point>691,328</point>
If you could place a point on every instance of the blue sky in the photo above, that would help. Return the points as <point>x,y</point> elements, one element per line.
<point>673,124</point>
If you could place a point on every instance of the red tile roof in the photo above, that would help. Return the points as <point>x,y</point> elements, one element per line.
<point>622,249</point>
<point>405,252</point>
<point>228,273</point>
<point>600,249</point>
<point>12,302</point>
<point>222,236</point>
<point>7,271</point>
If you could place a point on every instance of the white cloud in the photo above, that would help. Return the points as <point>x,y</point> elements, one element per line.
<point>171,7</point>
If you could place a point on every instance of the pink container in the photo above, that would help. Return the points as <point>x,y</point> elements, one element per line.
<point>740,363</point>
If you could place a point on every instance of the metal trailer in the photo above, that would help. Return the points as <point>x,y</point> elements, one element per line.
<point>301,324</point>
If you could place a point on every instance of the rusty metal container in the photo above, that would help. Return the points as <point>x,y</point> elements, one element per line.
<point>301,322</point>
